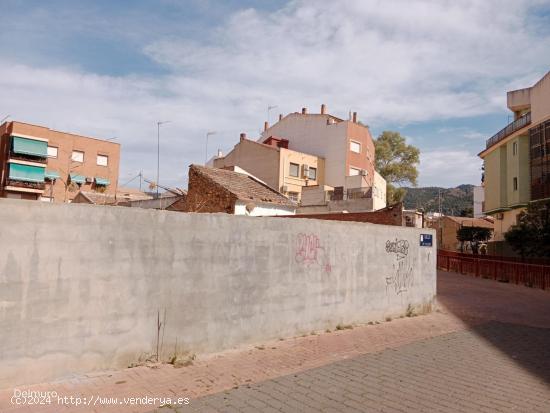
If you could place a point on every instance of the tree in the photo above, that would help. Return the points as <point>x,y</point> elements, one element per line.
<point>474,235</point>
<point>397,163</point>
<point>531,235</point>
<point>467,212</point>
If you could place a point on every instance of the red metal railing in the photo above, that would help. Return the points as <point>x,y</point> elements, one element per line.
<point>531,275</point>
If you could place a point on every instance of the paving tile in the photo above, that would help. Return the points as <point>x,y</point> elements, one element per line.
<point>384,366</point>
<point>528,378</point>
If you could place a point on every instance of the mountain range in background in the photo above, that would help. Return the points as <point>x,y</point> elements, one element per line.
<point>457,201</point>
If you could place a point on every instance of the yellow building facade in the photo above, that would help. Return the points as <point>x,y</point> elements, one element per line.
<point>283,169</point>
<point>508,168</point>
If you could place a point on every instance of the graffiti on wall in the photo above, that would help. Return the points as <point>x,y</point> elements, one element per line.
<point>309,251</point>
<point>402,277</point>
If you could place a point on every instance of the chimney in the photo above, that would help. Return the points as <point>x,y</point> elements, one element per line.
<point>304,111</point>
<point>323,109</point>
<point>354,117</point>
<point>243,136</point>
<point>266,125</point>
<point>280,116</point>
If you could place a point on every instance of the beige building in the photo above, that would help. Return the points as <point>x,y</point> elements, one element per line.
<point>324,162</point>
<point>516,159</point>
<point>283,169</point>
<point>39,163</point>
<point>345,145</point>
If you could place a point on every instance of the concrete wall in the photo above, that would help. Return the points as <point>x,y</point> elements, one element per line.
<point>349,205</point>
<point>379,191</point>
<point>81,285</point>
<point>540,100</point>
<point>479,199</point>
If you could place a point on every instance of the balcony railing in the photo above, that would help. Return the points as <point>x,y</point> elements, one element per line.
<point>359,193</point>
<point>351,193</point>
<point>27,185</point>
<point>28,158</point>
<point>509,129</point>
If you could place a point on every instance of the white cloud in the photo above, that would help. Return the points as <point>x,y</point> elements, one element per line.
<point>398,62</point>
<point>449,168</point>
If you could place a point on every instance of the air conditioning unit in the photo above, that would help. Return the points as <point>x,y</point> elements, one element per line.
<point>305,171</point>
<point>364,172</point>
<point>499,216</point>
<point>284,188</point>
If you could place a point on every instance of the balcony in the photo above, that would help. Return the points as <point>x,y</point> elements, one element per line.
<point>516,125</point>
<point>26,158</point>
<point>24,186</point>
<point>351,193</point>
<point>359,193</point>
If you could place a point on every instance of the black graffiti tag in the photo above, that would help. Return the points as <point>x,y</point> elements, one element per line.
<point>402,278</point>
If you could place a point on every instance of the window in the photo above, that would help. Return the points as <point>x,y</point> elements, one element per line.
<point>52,152</point>
<point>355,147</point>
<point>312,174</point>
<point>294,169</point>
<point>515,148</point>
<point>354,171</point>
<point>77,156</point>
<point>515,183</point>
<point>102,160</point>
<point>293,196</point>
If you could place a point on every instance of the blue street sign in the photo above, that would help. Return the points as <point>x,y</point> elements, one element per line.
<point>426,240</point>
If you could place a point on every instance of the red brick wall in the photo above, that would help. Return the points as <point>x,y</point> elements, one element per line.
<point>392,215</point>
<point>203,195</point>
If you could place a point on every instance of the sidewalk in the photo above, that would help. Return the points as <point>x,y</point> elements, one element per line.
<point>466,304</point>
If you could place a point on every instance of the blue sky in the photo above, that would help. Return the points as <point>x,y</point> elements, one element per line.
<point>435,71</point>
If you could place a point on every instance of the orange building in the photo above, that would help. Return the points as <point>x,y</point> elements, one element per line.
<point>39,163</point>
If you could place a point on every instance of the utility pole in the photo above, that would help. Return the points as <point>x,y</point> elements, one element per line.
<point>209,133</point>
<point>158,152</point>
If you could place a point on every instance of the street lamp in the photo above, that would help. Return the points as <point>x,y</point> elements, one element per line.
<point>158,151</point>
<point>209,133</point>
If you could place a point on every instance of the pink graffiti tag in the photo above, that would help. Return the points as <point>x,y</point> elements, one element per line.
<point>309,251</point>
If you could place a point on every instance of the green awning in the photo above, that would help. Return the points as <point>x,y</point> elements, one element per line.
<point>26,173</point>
<point>51,175</point>
<point>79,179</point>
<point>101,181</point>
<point>31,147</point>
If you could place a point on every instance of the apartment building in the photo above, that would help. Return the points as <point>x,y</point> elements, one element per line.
<point>324,162</point>
<point>271,160</point>
<point>345,145</point>
<point>517,158</point>
<point>39,163</point>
